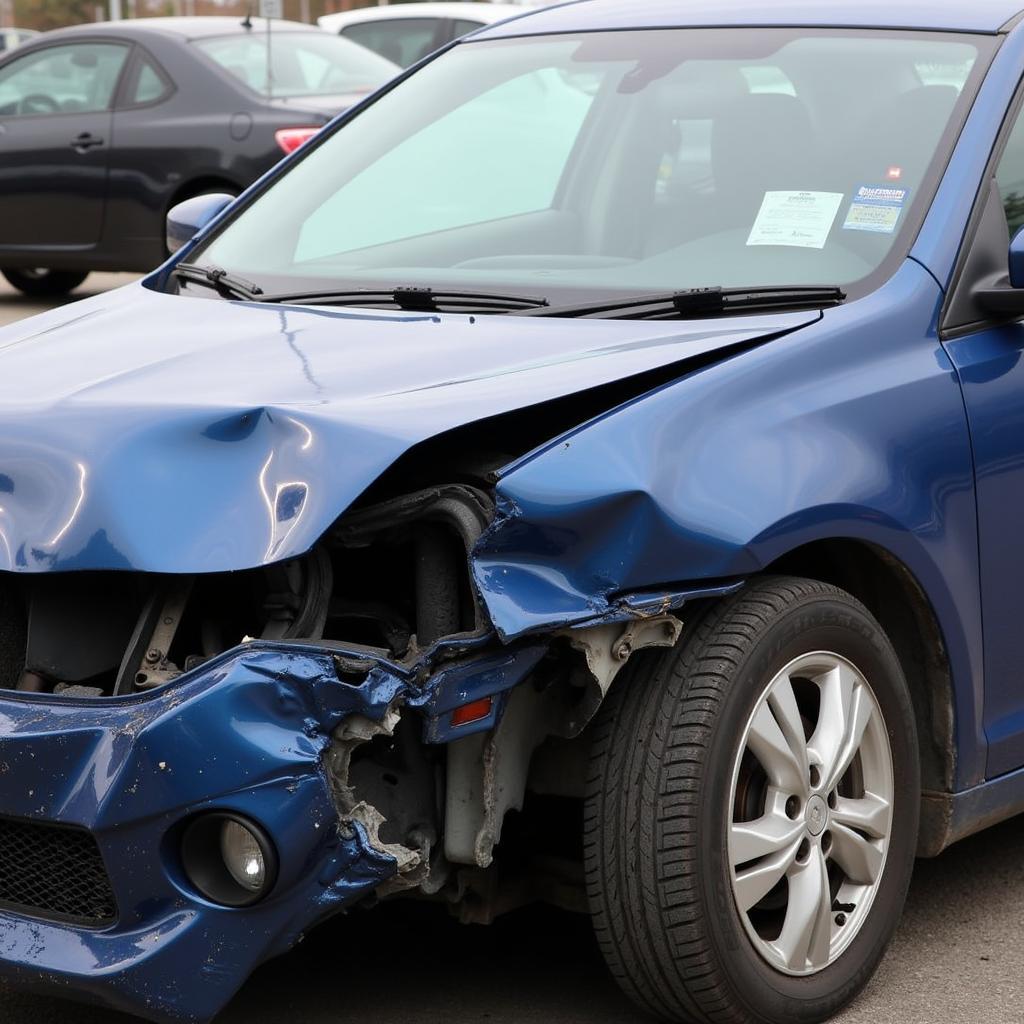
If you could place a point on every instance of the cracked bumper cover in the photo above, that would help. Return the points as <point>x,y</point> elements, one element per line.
<point>247,733</point>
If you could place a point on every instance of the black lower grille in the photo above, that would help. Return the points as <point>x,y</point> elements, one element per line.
<point>53,871</point>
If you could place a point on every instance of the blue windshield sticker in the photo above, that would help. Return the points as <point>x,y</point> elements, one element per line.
<point>876,208</point>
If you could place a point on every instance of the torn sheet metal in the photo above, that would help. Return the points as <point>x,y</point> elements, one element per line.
<point>608,646</point>
<point>261,731</point>
<point>714,476</point>
<point>247,734</point>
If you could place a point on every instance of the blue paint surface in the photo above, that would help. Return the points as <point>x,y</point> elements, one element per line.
<point>172,434</point>
<point>853,428</point>
<point>246,733</point>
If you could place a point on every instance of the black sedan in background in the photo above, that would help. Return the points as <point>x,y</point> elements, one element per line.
<point>103,128</point>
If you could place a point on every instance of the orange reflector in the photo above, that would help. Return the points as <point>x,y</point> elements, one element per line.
<point>473,712</point>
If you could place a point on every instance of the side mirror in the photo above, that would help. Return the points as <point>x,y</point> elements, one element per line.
<point>1007,299</point>
<point>187,219</point>
<point>1017,260</point>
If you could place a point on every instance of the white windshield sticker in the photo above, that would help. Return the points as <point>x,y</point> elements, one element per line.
<point>876,208</point>
<point>803,219</point>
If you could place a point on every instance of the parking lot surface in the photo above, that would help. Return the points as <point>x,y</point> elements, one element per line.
<point>958,957</point>
<point>15,306</point>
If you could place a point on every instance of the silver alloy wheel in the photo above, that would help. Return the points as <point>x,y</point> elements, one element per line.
<point>811,813</point>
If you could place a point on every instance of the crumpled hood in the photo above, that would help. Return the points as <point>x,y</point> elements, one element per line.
<point>169,434</point>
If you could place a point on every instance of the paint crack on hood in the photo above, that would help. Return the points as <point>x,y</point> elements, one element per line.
<point>233,434</point>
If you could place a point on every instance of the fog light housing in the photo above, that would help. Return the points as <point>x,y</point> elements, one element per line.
<point>243,856</point>
<point>229,859</point>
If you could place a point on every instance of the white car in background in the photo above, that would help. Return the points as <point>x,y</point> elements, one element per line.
<point>405,33</point>
<point>12,37</point>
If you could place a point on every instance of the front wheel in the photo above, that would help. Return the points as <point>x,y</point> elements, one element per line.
<point>41,282</point>
<point>752,810</point>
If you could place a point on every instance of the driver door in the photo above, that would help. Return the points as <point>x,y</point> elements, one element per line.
<point>55,136</point>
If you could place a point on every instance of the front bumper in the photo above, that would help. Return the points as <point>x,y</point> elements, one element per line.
<point>244,733</point>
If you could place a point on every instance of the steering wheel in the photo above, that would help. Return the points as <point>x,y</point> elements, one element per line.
<point>38,103</point>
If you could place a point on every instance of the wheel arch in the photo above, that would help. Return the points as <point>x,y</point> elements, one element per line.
<point>888,588</point>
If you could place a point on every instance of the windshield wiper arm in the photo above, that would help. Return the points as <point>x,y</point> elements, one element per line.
<point>416,300</point>
<point>700,302</point>
<point>226,283</point>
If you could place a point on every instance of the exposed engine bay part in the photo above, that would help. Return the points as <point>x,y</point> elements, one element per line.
<point>478,800</point>
<point>78,627</point>
<point>441,722</point>
<point>487,774</point>
<point>445,522</point>
<point>608,647</point>
<point>393,577</point>
<point>413,864</point>
<point>13,635</point>
<point>299,603</point>
<point>437,584</point>
<point>387,770</point>
<point>146,663</point>
<point>467,509</point>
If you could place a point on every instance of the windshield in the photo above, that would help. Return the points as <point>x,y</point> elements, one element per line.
<point>579,167</point>
<point>301,63</point>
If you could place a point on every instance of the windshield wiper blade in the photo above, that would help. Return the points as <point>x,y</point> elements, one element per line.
<point>226,283</point>
<point>416,300</point>
<point>700,302</point>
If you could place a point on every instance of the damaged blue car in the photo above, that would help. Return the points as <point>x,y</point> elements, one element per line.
<point>588,472</point>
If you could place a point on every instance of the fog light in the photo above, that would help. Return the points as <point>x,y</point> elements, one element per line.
<point>229,859</point>
<point>243,856</point>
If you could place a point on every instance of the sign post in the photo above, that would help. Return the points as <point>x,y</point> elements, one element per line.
<point>270,9</point>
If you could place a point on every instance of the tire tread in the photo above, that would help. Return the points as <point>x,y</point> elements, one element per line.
<point>650,743</point>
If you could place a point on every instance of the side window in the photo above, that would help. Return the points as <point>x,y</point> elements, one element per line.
<point>1010,177</point>
<point>525,131</point>
<point>402,40</point>
<point>72,79</point>
<point>149,86</point>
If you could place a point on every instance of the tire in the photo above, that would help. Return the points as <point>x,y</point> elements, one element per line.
<point>43,283</point>
<point>673,777</point>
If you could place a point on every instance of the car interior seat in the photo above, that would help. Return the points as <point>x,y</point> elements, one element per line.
<point>759,142</point>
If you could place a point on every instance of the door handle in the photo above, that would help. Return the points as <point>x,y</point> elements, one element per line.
<point>86,141</point>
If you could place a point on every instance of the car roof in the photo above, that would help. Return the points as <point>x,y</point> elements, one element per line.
<point>465,10</point>
<point>595,15</point>
<point>186,28</point>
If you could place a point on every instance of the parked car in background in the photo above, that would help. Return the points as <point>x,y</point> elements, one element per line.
<point>104,127</point>
<point>406,33</point>
<point>12,37</point>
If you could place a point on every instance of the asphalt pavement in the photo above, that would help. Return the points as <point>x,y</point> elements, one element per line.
<point>15,306</point>
<point>958,957</point>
